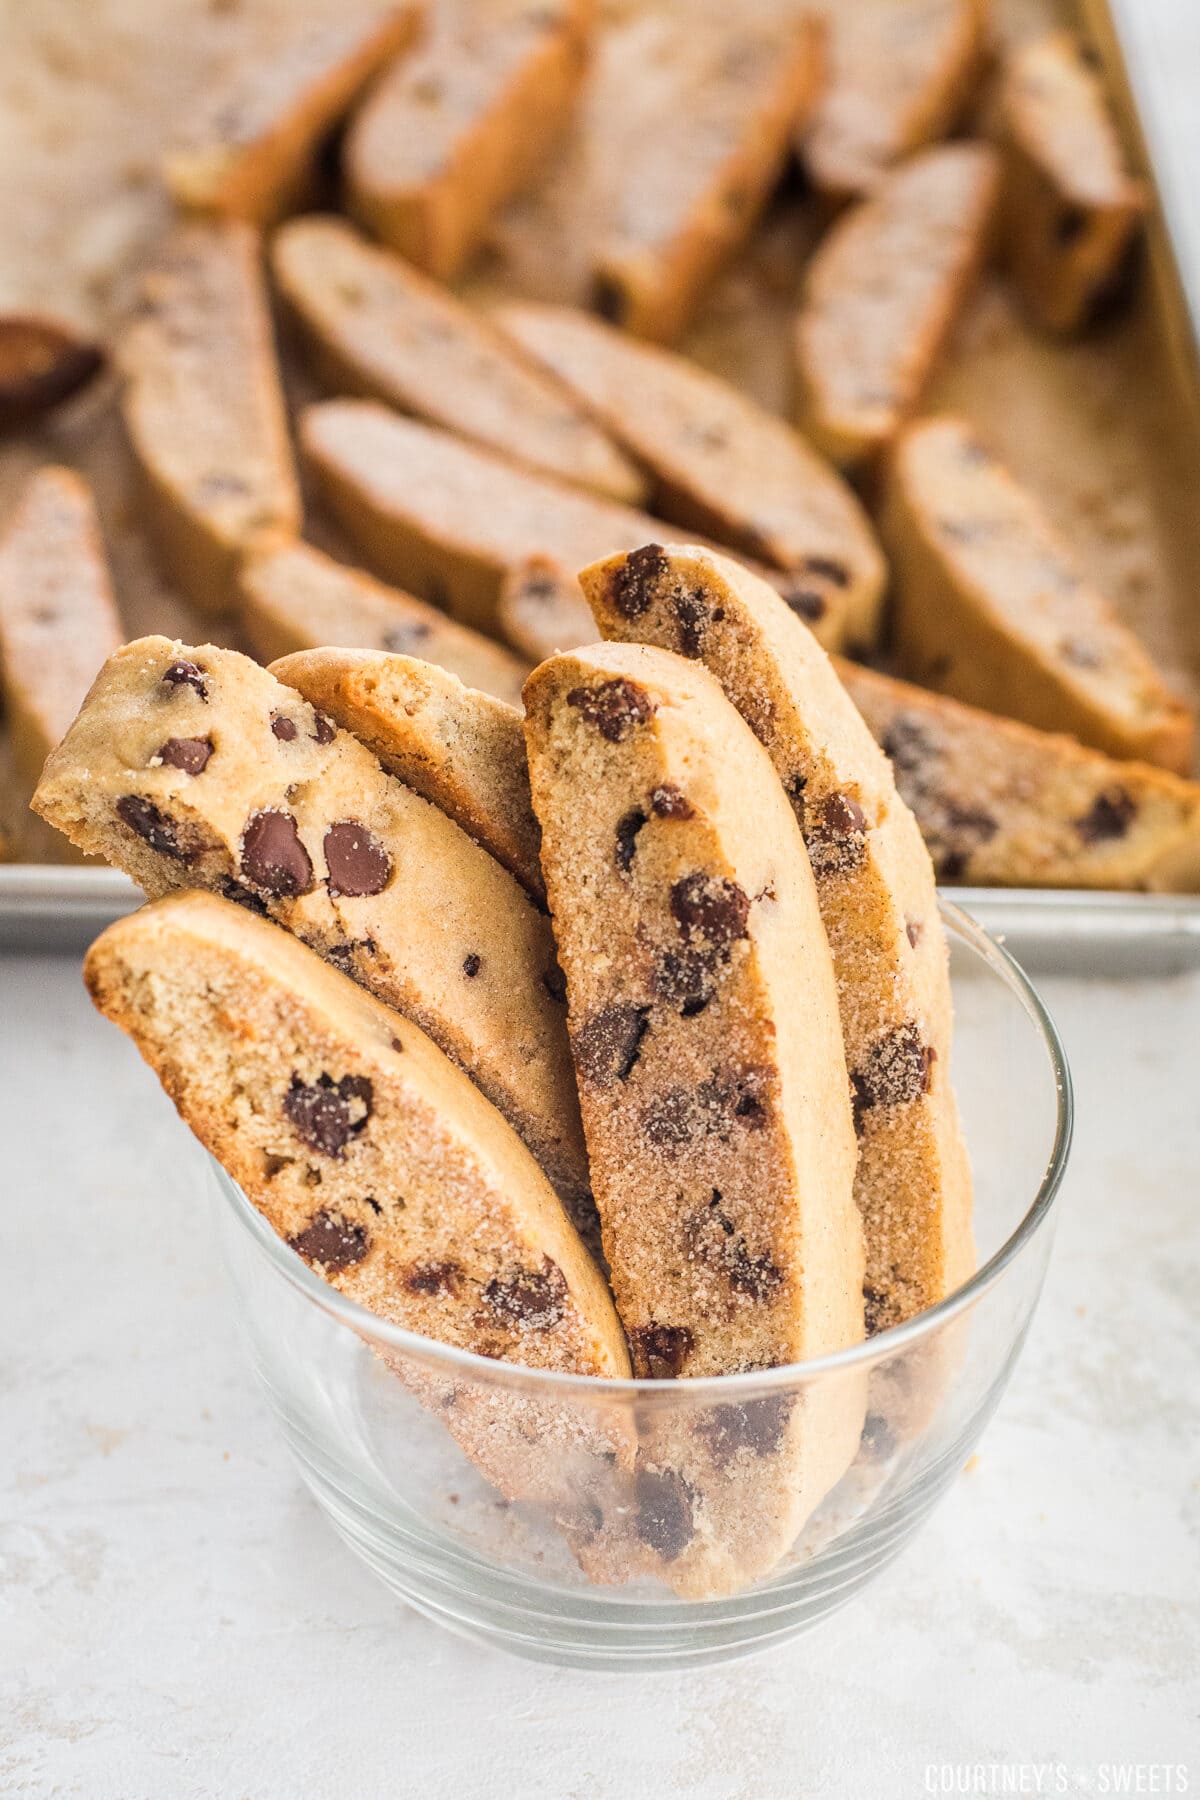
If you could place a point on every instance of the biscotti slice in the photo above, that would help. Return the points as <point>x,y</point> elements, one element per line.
<point>541,609</point>
<point>204,410</point>
<point>250,148</point>
<point>376,326</point>
<point>293,598</point>
<point>1070,208</point>
<point>456,130</point>
<point>43,362</point>
<point>703,1021</point>
<point>58,619</point>
<point>991,607</point>
<point>376,1160</point>
<point>462,749</point>
<point>1003,804</point>
<point>901,76</point>
<point>455,522</point>
<point>196,768</point>
<point>882,293</point>
<point>720,463</point>
<point>876,893</point>
<point>692,163</point>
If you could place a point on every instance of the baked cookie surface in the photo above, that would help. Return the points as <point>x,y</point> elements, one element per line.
<point>991,608</point>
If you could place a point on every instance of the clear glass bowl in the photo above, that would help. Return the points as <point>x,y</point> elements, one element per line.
<point>797,1485</point>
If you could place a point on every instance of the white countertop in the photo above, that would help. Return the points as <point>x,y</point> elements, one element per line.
<point>177,1621</point>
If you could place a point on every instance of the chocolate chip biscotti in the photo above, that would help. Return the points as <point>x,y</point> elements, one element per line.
<point>204,411</point>
<point>249,148</point>
<point>1003,804</point>
<point>292,597</point>
<point>1070,207</point>
<point>459,128</point>
<point>456,523</point>
<point>376,1160</point>
<point>900,76</point>
<point>196,768</point>
<point>875,889</point>
<point>463,750</point>
<point>377,326</point>
<point>703,1021</point>
<point>991,608</point>
<point>882,293</point>
<point>719,462</point>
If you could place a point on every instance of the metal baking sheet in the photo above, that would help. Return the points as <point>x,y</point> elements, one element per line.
<point>54,908</point>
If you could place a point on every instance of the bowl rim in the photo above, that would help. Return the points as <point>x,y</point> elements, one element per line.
<point>712,1388</point>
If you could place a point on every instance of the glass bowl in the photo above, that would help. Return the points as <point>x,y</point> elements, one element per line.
<point>663,1524</point>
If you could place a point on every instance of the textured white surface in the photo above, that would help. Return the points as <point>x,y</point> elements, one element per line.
<point>177,1621</point>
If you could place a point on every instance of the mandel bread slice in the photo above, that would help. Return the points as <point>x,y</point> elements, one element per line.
<point>196,768</point>
<point>250,147</point>
<point>292,597</point>
<point>1070,207</point>
<point>380,1164</point>
<point>719,462</point>
<point>463,750</point>
<point>704,1027</point>
<point>876,893</point>
<point>376,326</point>
<point>991,606</point>
<point>203,408</point>
<point>882,293</point>
<point>453,132</point>
<point>1003,804</point>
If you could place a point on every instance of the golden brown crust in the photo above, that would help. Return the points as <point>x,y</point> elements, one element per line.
<point>1003,804</point>
<point>376,326</point>
<point>196,768</point>
<point>204,410</point>
<point>991,608</point>
<point>1070,208</point>
<point>876,893</point>
<point>462,126</point>
<point>900,77</point>
<point>461,749</point>
<point>882,293</point>
<point>293,598</point>
<point>248,151</point>
<point>720,463</point>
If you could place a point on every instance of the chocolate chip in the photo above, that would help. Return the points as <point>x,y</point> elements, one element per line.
<point>553,979</point>
<point>908,744</point>
<point>714,1108</point>
<point>472,965</point>
<point>664,1512</point>
<point>899,1068</point>
<point>610,299</point>
<point>1070,224</point>
<point>687,979</point>
<point>283,728</point>
<point>628,826</point>
<point>187,674</point>
<point>615,708</point>
<point>806,603</point>
<point>950,865</point>
<point>344,954</point>
<point>711,909</point>
<point>332,1242</point>
<point>158,828</point>
<point>828,570</point>
<point>1109,816</point>
<point>668,802</point>
<point>694,615</point>
<point>878,1311</point>
<point>633,584</point>
<point>608,1044</point>
<point>325,1114</point>
<point>758,1426</point>
<point>241,896</point>
<point>533,1297</point>
<point>273,858</point>
<point>837,842</point>
<point>433,1278</point>
<point>660,1351</point>
<point>396,1044</point>
<point>714,1240</point>
<point>357,862</point>
<point>324,730</point>
<point>188,754</point>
